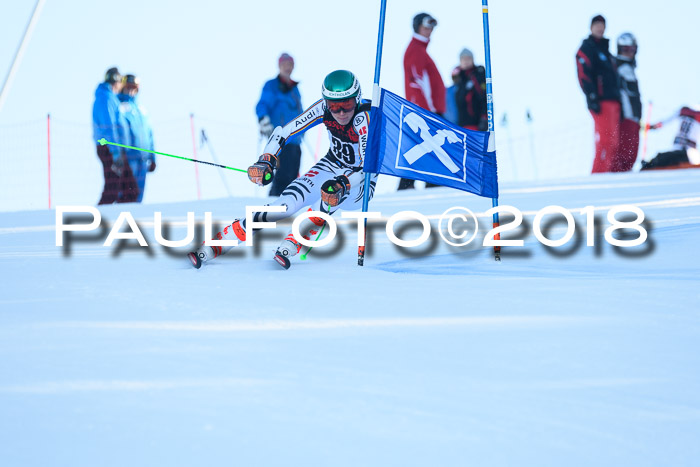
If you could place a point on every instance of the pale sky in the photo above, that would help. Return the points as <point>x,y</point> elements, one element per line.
<point>212,58</point>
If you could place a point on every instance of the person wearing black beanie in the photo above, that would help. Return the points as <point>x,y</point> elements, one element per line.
<point>598,79</point>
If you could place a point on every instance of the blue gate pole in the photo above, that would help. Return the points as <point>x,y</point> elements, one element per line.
<point>375,105</point>
<point>489,109</point>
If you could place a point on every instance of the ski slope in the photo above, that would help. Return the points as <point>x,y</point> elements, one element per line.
<point>569,356</point>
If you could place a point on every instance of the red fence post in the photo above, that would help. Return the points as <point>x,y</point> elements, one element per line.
<point>48,150</point>
<point>194,150</point>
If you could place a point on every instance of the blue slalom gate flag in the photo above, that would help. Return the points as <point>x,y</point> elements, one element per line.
<point>408,141</point>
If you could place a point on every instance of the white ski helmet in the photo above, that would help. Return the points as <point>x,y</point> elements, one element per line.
<point>626,42</point>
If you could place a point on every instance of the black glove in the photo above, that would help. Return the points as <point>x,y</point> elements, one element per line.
<point>262,172</point>
<point>483,124</point>
<point>593,103</point>
<point>152,165</point>
<point>333,191</point>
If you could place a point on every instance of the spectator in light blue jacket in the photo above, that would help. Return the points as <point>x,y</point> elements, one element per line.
<point>279,104</point>
<point>141,135</point>
<point>109,123</point>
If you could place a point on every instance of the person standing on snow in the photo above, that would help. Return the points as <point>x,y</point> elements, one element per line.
<point>424,85</point>
<point>631,101</point>
<point>141,136</point>
<point>598,79</point>
<point>470,93</point>
<point>335,181</point>
<point>279,103</point>
<point>109,123</point>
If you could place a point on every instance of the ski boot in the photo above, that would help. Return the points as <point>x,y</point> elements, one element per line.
<point>288,248</point>
<point>206,253</point>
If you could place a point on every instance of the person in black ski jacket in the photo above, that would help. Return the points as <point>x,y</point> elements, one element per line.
<point>470,93</point>
<point>597,75</point>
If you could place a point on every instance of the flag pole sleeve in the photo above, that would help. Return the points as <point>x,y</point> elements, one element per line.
<point>375,91</point>
<point>489,109</point>
<point>375,103</point>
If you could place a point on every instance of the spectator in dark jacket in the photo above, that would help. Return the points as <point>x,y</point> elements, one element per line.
<point>108,122</point>
<point>597,76</point>
<point>279,104</point>
<point>470,93</point>
<point>631,104</point>
<point>424,85</point>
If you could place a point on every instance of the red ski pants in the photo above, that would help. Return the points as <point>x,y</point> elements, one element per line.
<point>628,147</point>
<point>607,123</point>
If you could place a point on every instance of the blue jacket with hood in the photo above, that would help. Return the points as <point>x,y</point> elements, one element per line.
<point>138,127</point>
<point>281,102</point>
<point>107,120</point>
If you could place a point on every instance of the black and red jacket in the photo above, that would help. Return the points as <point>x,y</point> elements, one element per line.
<point>471,97</point>
<point>597,72</point>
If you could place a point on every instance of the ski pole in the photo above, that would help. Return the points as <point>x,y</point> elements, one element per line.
<point>204,140</point>
<point>104,141</point>
<point>303,257</point>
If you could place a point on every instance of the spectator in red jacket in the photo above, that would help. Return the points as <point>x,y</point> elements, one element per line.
<point>424,85</point>
<point>597,75</point>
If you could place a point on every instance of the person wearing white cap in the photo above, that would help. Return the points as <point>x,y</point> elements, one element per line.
<point>424,85</point>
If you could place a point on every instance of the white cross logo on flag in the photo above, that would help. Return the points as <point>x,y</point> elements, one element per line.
<point>431,143</point>
<point>429,146</point>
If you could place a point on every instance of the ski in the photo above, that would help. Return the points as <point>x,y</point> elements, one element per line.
<point>282,260</point>
<point>195,260</point>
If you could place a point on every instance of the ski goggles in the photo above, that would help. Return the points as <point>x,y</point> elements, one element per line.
<point>632,49</point>
<point>347,105</point>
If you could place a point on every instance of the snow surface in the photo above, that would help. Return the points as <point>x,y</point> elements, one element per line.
<point>569,356</point>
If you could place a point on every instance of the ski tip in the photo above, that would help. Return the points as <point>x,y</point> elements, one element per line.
<point>194,259</point>
<point>282,261</point>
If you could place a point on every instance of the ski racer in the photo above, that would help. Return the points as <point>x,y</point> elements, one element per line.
<point>335,181</point>
<point>598,78</point>
<point>685,144</point>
